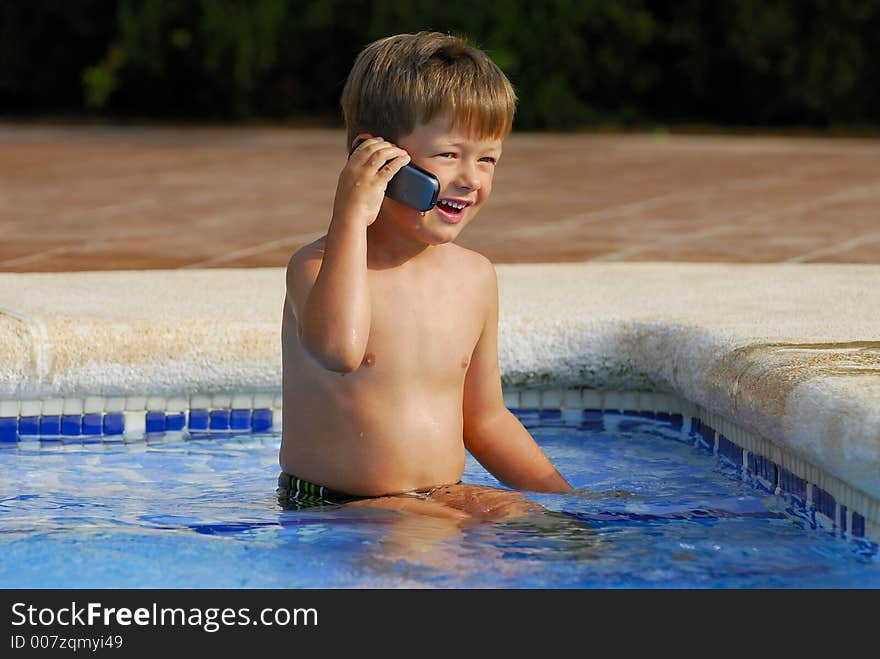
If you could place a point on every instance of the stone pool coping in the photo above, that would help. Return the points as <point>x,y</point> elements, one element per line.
<point>788,352</point>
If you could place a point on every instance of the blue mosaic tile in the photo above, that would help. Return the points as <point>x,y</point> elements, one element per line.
<point>791,484</point>
<point>858,525</point>
<point>155,421</point>
<point>765,469</point>
<point>843,519</point>
<point>114,423</point>
<point>261,420</point>
<point>50,425</point>
<point>175,421</point>
<point>198,420</point>
<point>71,424</point>
<point>707,432</point>
<point>93,424</point>
<point>823,502</point>
<point>677,421</point>
<point>9,429</point>
<point>627,425</point>
<point>730,450</point>
<point>592,420</point>
<point>29,425</point>
<point>219,420</point>
<point>240,420</point>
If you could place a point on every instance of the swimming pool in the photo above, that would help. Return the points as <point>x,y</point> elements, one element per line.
<point>187,509</point>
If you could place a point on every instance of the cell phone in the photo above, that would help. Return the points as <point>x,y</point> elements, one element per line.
<point>411,185</point>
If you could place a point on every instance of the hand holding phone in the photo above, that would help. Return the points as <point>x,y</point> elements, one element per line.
<point>411,185</point>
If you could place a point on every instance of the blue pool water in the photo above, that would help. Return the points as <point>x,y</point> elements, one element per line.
<point>198,511</point>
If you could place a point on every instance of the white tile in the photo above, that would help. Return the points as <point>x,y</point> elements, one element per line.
<point>572,399</point>
<point>263,401</point>
<point>135,403</point>
<point>612,400</point>
<point>9,408</point>
<point>135,422</point>
<point>221,401</point>
<point>242,402</point>
<point>176,405</point>
<point>592,399</point>
<point>156,403</point>
<point>276,419</point>
<point>93,405</point>
<point>551,399</point>
<point>53,407</point>
<point>31,408</point>
<point>200,402</point>
<point>278,401</point>
<point>530,399</point>
<point>663,403</point>
<point>114,404</point>
<point>629,400</point>
<point>72,406</point>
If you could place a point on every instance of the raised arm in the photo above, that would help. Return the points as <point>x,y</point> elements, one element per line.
<point>493,435</point>
<point>328,289</point>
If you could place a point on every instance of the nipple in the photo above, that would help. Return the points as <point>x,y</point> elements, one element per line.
<point>465,361</point>
<point>369,359</point>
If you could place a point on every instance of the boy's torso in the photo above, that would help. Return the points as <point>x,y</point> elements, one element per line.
<point>395,423</point>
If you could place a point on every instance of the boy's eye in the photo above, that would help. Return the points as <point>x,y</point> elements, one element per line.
<point>447,154</point>
<point>489,159</point>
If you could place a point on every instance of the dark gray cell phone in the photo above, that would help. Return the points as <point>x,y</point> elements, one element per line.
<point>412,185</point>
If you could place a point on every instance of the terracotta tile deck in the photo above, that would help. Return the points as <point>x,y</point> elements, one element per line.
<point>109,198</point>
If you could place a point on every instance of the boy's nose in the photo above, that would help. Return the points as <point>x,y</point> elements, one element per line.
<point>467,177</point>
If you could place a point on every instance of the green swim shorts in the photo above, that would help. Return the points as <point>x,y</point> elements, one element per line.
<point>295,493</point>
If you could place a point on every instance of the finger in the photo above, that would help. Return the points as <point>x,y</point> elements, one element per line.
<point>382,155</point>
<point>393,166</point>
<point>362,145</point>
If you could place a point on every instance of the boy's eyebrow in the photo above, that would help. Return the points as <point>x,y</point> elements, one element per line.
<point>455,142</point>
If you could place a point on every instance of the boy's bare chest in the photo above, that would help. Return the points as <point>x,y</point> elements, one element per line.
<point>426,321</point>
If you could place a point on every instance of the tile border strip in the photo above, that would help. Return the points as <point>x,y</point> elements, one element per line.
<point>828,500</point>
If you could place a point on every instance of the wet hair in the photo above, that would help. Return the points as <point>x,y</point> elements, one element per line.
<point>399,82</point>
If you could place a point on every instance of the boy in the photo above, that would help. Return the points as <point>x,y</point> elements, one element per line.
<point>389,337</point>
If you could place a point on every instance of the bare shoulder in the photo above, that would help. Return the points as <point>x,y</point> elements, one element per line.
<point>478,267</point>
<point>302,271</point>
<point>306,253</point>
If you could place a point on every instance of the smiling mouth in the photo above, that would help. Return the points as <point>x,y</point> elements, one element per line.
<point>452,210</point>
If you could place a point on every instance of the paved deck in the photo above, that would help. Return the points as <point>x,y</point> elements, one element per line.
<point>108,198</point>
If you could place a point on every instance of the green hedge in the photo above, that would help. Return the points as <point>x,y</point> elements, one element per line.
<point>575,63</point>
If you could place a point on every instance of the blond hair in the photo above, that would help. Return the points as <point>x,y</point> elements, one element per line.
<point>404,80</point>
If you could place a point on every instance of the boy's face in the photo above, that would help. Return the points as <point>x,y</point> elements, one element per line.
<point>465,166</point>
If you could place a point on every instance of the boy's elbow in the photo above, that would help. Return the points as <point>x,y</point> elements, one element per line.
<point>339,364</point>
<point>333,356</point>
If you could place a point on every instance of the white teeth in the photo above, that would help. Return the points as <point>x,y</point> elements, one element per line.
<point>455,204</point>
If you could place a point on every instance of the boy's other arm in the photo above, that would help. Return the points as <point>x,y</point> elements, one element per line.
<point>329,289</point>
<point>493,435</point>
